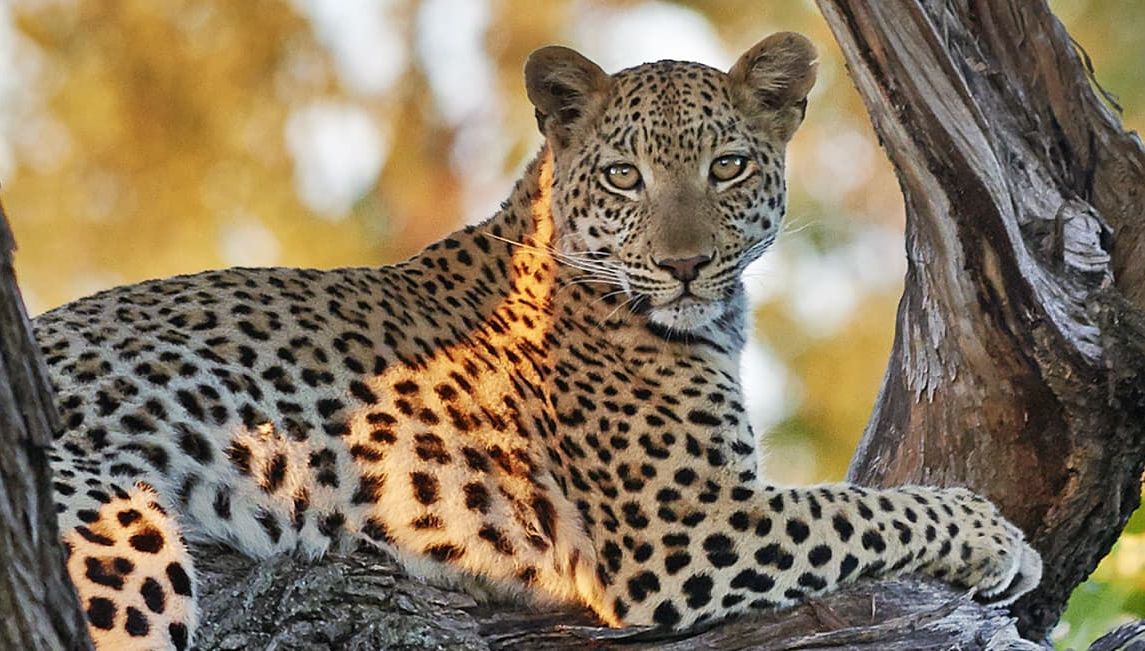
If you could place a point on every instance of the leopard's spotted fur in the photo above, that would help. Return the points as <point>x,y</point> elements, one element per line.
<point>548,401</point>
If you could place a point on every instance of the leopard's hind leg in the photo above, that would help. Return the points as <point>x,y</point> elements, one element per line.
<point>126,557</point>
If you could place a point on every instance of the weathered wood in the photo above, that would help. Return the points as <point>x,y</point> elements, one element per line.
<point>1018,366</point>
<point>1130,637</point>
<point>362,601</point>
<point>38,607</point>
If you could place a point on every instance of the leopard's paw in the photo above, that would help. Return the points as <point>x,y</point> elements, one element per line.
<point>987,553</point>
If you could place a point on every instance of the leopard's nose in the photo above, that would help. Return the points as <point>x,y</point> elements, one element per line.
<point>684,269</point>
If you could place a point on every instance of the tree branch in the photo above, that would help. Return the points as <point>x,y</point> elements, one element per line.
<point>364,601</point>
<point>1017,367</point>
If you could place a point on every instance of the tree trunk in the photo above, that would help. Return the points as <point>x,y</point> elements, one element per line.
<point>1018,370</point>
<point>1018,367</point>
<point>38,607</point>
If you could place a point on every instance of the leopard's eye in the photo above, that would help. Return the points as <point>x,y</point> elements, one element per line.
<point>622,176</point>
<point>727,168</point>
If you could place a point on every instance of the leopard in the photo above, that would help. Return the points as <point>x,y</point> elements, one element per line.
<point>543,407</point>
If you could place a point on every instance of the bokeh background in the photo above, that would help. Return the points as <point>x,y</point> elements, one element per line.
<point>145,138</point>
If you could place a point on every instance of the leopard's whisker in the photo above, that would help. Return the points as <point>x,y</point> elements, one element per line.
<point>571,260</point>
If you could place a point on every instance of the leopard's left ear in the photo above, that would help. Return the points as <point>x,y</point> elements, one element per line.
<point>772,80</point>
<point>565,88</point>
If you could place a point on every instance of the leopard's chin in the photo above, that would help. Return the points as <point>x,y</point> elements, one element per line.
<point>687,314</point>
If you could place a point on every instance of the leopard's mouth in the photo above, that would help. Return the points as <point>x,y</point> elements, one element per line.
<point>686,312</point>
<point>685,309</point>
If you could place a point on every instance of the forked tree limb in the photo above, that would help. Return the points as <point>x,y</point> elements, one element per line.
<point>1018,366</point>
<point>38,606</point>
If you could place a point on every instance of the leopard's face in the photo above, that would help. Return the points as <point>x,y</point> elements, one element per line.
<point>671,191</point>
<point>669,177</point>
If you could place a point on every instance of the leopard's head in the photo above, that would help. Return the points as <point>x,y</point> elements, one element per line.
<point>669,177</point>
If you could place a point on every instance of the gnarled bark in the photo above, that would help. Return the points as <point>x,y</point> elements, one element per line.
<point>1018,367</point>
<point>362,601</point>
<point>38,607</point>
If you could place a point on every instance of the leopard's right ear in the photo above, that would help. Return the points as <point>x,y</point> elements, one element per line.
<point>565,89</point>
